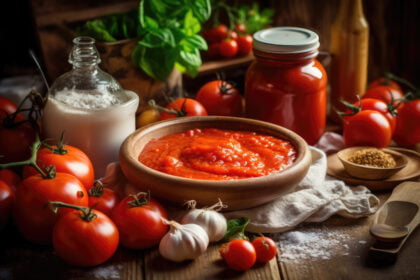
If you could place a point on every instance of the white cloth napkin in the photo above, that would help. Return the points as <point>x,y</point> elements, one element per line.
<point>316,198</point>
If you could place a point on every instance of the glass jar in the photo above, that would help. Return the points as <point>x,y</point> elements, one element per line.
<point>90,107</point>
<point>285,84</point>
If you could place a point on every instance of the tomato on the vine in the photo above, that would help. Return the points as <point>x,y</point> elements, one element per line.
<point>240,27</point>
<point>102,199</point>
<point>7,107</point>
<point>16,137</point>
<point>377,105</point>
<point>265,248</point>
<point>228,48</point>
<point>239,254</point>
<point>407,132</point>
<point>7,197</point>
<point>85,238</point>
<point>33,219</point>
<point>182,107</point>
<point>139,221</point>
<point>220,98</point>
<point>244,44</point>
<point>10,177</point>
<point>385,93</point>
<point>66,159</point>
<point>385,82</point>
<point>216,34</point>
<point>367,128</point>
<point>214,50</point>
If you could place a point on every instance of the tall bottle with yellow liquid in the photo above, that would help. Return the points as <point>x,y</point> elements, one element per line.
<point>349,49</point>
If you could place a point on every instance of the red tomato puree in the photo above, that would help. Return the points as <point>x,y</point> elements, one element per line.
<point>214,154</point>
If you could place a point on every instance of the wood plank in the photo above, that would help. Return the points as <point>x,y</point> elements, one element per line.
<point>212,66</point>
<point>208,266</point>
<point>351,258</point>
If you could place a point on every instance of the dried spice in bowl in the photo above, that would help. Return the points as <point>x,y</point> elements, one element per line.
<point>373,157</point>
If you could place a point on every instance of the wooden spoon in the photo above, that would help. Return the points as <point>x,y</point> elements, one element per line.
<point>397,218</point>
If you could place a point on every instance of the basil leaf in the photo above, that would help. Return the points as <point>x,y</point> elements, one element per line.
<point>201,9</point>
<point>236,228</point>
<point>193,42</point>
<point>191,24</point>
<point>97,30</point>
<point>158,63</point>
<point>158,37</point>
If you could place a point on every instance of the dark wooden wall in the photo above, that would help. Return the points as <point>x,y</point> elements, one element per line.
<point>394,31</point>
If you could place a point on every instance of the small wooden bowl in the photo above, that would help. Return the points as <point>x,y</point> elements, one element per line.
<point>370,172</point>
<point>237,194</point>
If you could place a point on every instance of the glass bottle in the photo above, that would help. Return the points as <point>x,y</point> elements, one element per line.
<point>285,84</point>
<point>90,107</point>
<point>349,50</point>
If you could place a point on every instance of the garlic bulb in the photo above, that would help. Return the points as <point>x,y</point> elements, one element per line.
<point>212,221</point>
<point>183,242</point>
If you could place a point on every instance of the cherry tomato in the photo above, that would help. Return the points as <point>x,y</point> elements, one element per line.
<point>367,128</point>
<point>214,50</point>
<point>34,220</point>
<point>147,117</point>
<point>139,221</point>
<point>184,107</point>
<point>220,98</point>
<point>384,93</point>
<point>10,178</point>
<point>15,140</point>
<point>216,34</point>
<point>232,35</point>
<point>85,241</point>
<point>7,197</point>
<point>376,105</point>
<point>385,82</point>
<point>67,159</point>
<point>103,199</point>
<point>244,44</point>
<point>265,248</point>
<point>228,48</point>
<point>238,254</point>
<point>407,132</point>
<point>7,106</point>
<point>240,27</point>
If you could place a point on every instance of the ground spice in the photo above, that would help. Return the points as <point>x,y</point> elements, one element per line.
<point>373,157</point>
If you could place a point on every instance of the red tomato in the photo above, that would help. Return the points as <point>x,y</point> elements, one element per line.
<point>265,248</point>
<point>184,107</point>
<point>70,160</point>
<point>103,199</point>
<point>239,254</point>
<point>367,128</point>
<point>85,240</point>
<point>216,34</point>
<point>228,48</point>
<point>233,35</point>
<point>16,140</point>
<point>384,93</point>
<point>33,219</point>
<point>214,50</point>
<point>376,105</point>
<point>244,44</point>
<point>240,27</point>
<point>7,197</point>
<point>220,98</point>
<point>385,82</point>
<point>407,132</point>
<point>10,178</point>
<point>139,221</point>
<point>7,106</point>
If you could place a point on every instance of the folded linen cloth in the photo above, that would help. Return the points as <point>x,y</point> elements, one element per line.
<point>316,198</point>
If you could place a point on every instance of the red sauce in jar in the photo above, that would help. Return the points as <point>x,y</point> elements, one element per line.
<point>215,154</point>
<point>285,84</point>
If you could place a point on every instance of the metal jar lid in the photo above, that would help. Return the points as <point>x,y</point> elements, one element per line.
<point>282,40</point>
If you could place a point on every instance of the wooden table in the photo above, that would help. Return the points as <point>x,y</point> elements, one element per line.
<point>348,259</point>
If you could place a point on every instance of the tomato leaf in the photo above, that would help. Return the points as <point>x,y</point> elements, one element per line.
<point>236,228</point>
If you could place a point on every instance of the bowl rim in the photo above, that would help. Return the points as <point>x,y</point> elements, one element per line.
<point>298,142</point>
<point>386,150</point>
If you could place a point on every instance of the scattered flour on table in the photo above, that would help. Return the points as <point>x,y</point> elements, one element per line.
<point>313,243</point>
<point>108,272</point>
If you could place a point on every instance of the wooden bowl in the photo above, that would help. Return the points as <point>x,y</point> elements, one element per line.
<point>237,194</point>
<point>370,172</point>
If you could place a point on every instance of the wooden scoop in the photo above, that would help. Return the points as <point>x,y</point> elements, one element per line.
<point>397,218</point>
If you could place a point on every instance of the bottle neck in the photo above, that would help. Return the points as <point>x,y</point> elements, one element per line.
<point>84,53</point>
<point>350,9</point>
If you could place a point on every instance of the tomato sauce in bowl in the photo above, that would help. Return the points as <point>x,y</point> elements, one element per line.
<point>218,154</point>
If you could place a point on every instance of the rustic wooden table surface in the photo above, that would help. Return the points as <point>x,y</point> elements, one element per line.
<point>344,254</point>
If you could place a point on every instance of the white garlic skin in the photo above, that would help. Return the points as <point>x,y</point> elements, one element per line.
<point>183,242</point>
<point>213,222</point>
